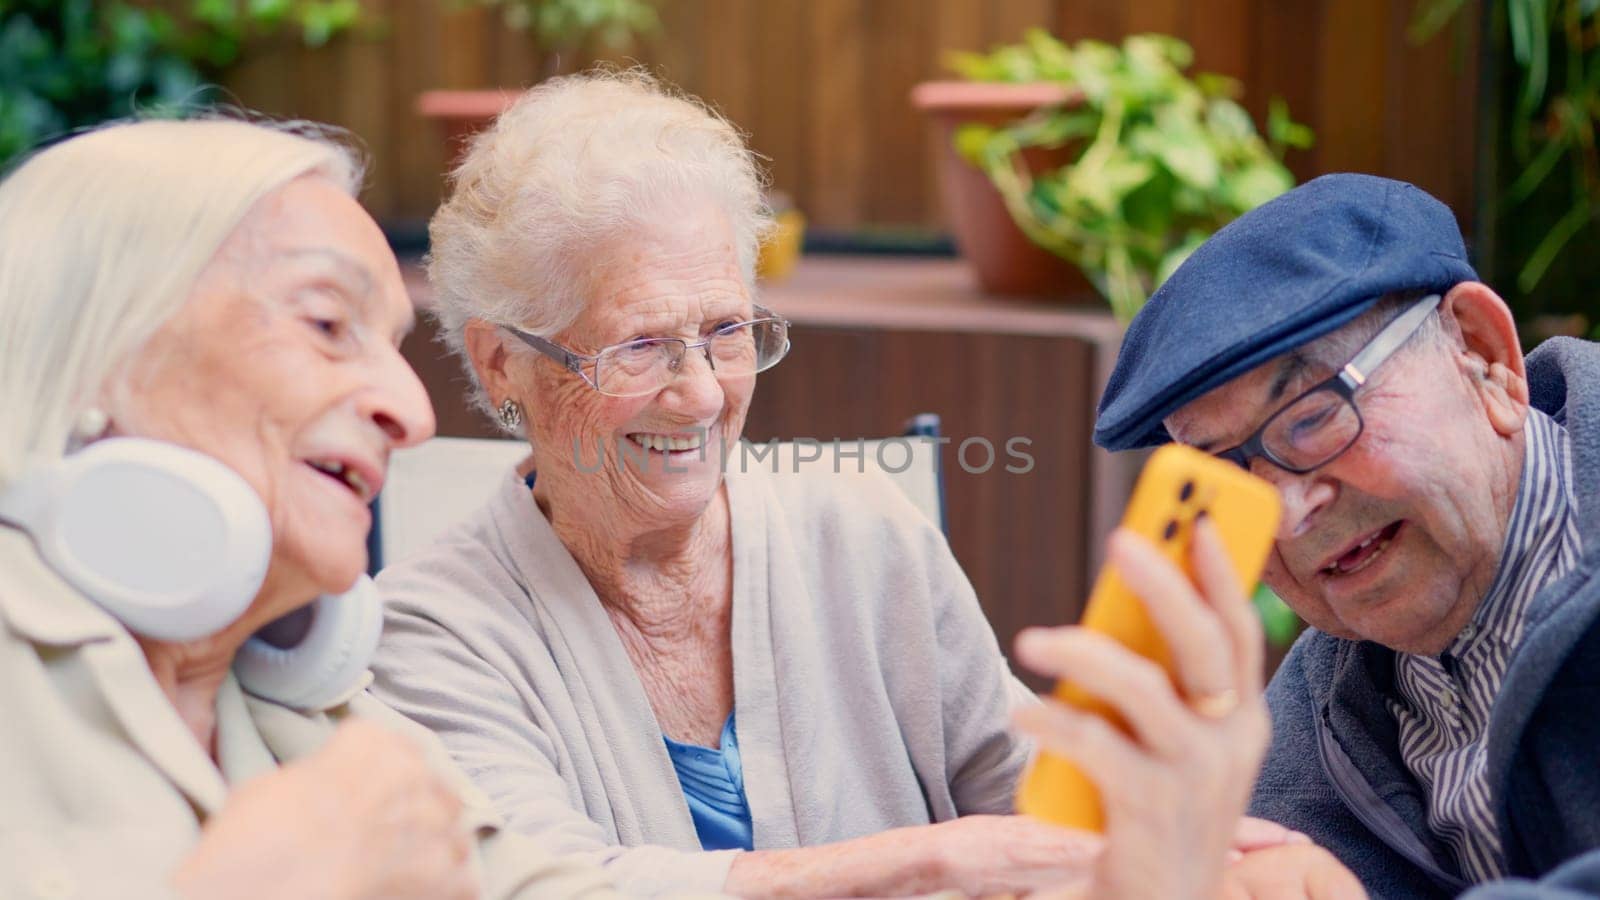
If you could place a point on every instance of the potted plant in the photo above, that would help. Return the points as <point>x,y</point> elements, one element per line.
<point>65,65</point>
<point>1125,164</point>
<point>1004,260</point>
<point>558,30</point>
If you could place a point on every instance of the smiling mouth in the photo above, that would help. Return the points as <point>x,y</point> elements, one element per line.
<point>669,443</point>
<point>350,478</point>
<point>1362,555</point>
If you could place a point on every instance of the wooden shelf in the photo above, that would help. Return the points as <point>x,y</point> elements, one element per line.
<point>926,294</point>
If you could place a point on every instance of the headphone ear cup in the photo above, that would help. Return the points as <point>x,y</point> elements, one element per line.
<point>171,542</point>
<point>328,664</point>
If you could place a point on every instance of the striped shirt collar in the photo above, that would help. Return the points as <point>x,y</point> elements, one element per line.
<point>1539,529</point>
<point>1447,700</point>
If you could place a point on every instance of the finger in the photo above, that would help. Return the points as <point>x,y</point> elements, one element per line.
<point>364,735</point>
<point>449,870</point>
<point>461,845</point>
<point>1075,892</point>
<point>1194,634</point>
<point>1106,756</point>
<point>446,804</point>
<point>1335,883</point>
<point>1133,687</point>
<point>466,886</point>
<point>1258,834</point>
<point>1221,588</point>
<point>375,751</point>
<point>350,738</point>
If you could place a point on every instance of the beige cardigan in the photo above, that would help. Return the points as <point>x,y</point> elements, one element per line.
<point>103,788</point>
<point>870,691</point>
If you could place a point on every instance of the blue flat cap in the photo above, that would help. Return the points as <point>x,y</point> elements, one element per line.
<point>1276,278</point>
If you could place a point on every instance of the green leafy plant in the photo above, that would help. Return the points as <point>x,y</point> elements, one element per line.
<point>1549,126</point>
<point>1158,160</point>
<point>562,27</point>
<point>1279,624</point>
<point>65,64</point>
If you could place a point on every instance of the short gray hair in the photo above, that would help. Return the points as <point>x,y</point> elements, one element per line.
<point>102,238</point>
<point>1364,327</point>
<point>574,161</point>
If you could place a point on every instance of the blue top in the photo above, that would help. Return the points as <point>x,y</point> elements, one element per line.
<point>713,783</point>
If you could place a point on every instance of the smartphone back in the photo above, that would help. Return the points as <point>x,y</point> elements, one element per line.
<point>1177,484</point>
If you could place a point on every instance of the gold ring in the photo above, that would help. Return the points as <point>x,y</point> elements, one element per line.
<point>1218,705</point>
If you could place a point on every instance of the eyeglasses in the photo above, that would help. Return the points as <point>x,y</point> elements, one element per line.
<point>644,366</point>
<point>1314,428</point>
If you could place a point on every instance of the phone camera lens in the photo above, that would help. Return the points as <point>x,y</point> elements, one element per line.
<point>1172,530</point>
<point>1185,492</point>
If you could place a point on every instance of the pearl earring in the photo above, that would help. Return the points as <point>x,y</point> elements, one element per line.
<point>90,425</point>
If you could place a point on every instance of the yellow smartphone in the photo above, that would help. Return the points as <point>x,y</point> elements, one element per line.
<point>1177,484</point>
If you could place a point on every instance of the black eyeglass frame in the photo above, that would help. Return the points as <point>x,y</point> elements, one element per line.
<point>573,361</point>
<point>1343,384</point>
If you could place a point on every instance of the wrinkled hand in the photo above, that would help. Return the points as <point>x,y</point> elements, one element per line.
<point>363,818</point>
<point>1251,834</point>
<point>1175,785</point>
<point>1290,873</point>
<point>985,855</point>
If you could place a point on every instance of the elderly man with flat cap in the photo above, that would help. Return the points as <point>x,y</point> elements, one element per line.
<point>1438,726</point>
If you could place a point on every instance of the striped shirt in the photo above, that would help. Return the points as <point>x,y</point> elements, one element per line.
<point>1444,715</point>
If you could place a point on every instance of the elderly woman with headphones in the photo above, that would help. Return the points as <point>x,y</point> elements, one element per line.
<point>199,390</point>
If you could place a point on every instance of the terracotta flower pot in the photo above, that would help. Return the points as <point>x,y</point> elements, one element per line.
<point>1005,261</point>
<point>461,114</point>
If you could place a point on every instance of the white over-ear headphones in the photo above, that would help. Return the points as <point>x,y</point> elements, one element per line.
<point>171,542</point>
<point>175,546</point>
<point>327,664</point>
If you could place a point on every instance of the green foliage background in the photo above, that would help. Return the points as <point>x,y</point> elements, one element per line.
<point>1538,240</point>
<point>1158,160</point>
<point>65,64</point>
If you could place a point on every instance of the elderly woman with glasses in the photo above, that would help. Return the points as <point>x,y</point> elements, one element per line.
<point>700,672</point>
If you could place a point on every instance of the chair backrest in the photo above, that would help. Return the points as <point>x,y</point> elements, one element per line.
<point>431,487</point>
<point>440,482</point>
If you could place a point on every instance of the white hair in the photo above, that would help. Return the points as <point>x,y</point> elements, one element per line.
<point>1337,348</point>
<point>574,162</point>
<point>102,238</point>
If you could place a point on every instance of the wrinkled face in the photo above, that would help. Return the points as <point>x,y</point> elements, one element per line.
<point>284,364</point>
<point>656,459</point>
<point>1396,540</point>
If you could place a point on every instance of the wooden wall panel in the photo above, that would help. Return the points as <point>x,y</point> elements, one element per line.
<point>1223,35</point>
<point>1160,16</point>
<point>781,116</point>
<point>836,131</point>
<point>820,85</point>
<point>903,33</point>
<point>1426,140</point>
<point>1351,135</point>
<point>1101,20</point>
<point>1020,538</point>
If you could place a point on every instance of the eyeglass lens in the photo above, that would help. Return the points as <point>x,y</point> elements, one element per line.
<point>643,367</point>
<point>1312,430</point>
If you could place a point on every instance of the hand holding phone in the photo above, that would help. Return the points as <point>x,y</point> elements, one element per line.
<point>1178,486</point>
